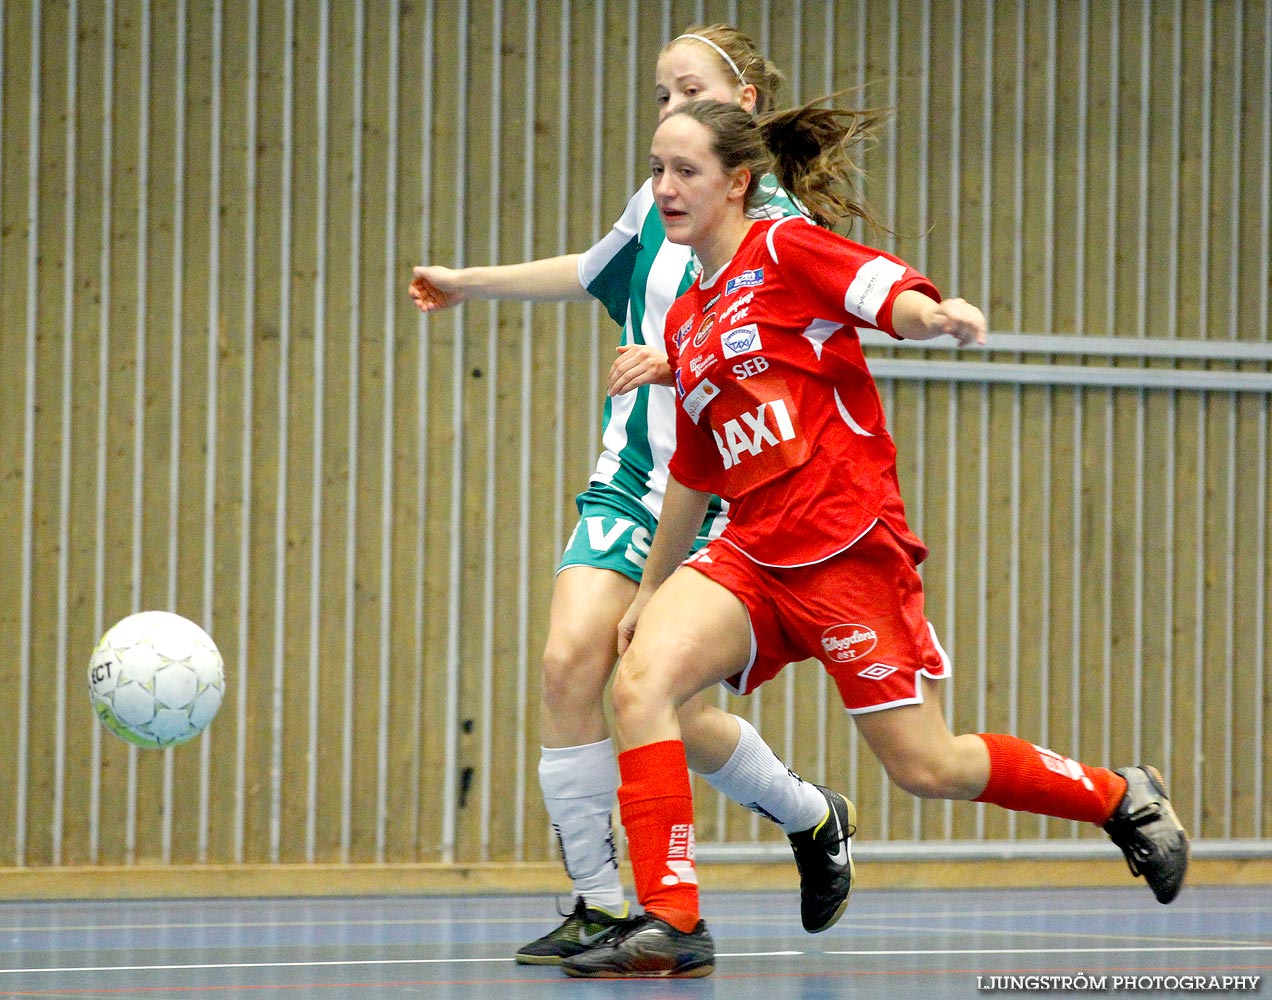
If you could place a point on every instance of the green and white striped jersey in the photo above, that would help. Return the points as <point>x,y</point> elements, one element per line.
<point>637,274</point>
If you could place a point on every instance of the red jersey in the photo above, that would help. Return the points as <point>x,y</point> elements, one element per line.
<point>777,411</point>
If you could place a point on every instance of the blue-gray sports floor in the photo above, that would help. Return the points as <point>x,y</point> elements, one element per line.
<point>895,944</point>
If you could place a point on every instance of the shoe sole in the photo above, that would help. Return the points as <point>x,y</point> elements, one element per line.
<point>698,972</point>
<point>539,959</point>
<point>852,878</point>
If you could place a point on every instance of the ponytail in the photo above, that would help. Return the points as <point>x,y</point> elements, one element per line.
<point>812,149</point>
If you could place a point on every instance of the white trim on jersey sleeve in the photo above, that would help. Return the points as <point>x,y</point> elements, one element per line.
<point>594,260</point>
<point>870,288</point>
<point>768,238</point>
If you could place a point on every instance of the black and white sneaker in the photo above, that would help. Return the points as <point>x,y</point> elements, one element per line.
<point>823,856</point>
<point>581,930</point>
<point>1145,827</point>
<point>646,947</point>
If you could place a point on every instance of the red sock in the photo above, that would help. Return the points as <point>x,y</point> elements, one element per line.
<point>656,803</point>
<point>1033,779</point>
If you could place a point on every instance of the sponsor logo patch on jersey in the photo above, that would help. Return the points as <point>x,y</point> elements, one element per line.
<point>680,385</point>
<point>697,401</point>
<point>704,331</point>
<point>742,340</point>
<point>877,672</point>
<point>751,366</point>
<point>738,303</point>
<point>706,306</point>
<point>747,279</point>
<point>701,363</point>
<point>845,643</point>
<point>683,332</point>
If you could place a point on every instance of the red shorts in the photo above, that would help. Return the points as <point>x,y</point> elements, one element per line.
<point>860,613</point>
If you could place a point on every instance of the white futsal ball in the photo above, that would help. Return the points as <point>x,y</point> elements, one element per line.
<point>156,679</point>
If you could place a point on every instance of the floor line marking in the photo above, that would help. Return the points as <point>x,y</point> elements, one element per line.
<point>329,963</point>
<point>1055,951</point>
<point>748,954</point>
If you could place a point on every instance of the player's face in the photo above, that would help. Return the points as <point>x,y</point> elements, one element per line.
<point>689,71</point>
<point>693,191</point>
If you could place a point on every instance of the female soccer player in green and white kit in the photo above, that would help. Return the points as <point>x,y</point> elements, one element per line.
<point>637,275</point>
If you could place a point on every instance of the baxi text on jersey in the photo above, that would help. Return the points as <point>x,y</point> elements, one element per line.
<point>750,433</point>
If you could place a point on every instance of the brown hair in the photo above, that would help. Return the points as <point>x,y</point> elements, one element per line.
<point>753,67</point>
<point>808,148</point>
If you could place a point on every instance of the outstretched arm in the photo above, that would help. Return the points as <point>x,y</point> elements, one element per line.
<point>683,511</point>
<point>549,280</point>
<point>915,316</point>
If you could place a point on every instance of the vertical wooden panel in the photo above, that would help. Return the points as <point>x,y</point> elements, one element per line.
<point>306,381</point>
<point>12,404</point>
<point>376,399</point>
<point>42,366</point>
<point>268,481</point>
<point>81,637</point>
<point>198,296</point>
<point>117,771</point>
<point>234,331</point>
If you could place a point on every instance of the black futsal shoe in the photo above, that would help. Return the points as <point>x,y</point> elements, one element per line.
<point>645,947</point>
<point>823,856</point>
<point>580,931</point>
<point>1147,830</point>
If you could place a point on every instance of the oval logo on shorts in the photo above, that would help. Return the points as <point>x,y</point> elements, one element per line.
<point>846,643</point>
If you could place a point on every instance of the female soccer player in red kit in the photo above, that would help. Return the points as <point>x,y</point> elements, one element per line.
<point>777,413</point>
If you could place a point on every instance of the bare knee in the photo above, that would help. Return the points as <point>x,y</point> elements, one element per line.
<point>954,771</point>
<point>925,779</point>
<point>646,694</point>
<point>574,673</point>
<point>637,687</point>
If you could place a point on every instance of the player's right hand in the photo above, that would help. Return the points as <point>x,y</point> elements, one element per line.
<point>434,288</point>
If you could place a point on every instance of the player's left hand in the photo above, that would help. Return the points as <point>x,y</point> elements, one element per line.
<point>961,320</point>
<point>627,626</point>
<point>637,365</point>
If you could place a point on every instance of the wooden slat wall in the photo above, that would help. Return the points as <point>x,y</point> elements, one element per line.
<point>217,399</point>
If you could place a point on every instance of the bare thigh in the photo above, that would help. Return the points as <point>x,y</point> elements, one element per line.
<point>692,634</point>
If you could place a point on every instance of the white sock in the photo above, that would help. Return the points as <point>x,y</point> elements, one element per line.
<point>755,778</point>
<point>580,789</point>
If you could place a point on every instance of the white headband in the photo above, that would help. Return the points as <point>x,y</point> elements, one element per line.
<point>723,55</point>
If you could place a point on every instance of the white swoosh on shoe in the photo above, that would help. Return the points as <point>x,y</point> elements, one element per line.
<point>840,857</point>
<point>588,940</point>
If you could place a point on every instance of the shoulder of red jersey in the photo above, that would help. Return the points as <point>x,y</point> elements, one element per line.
<point>796,227</point>
<point>873,277</point>
<point>799,233</point>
